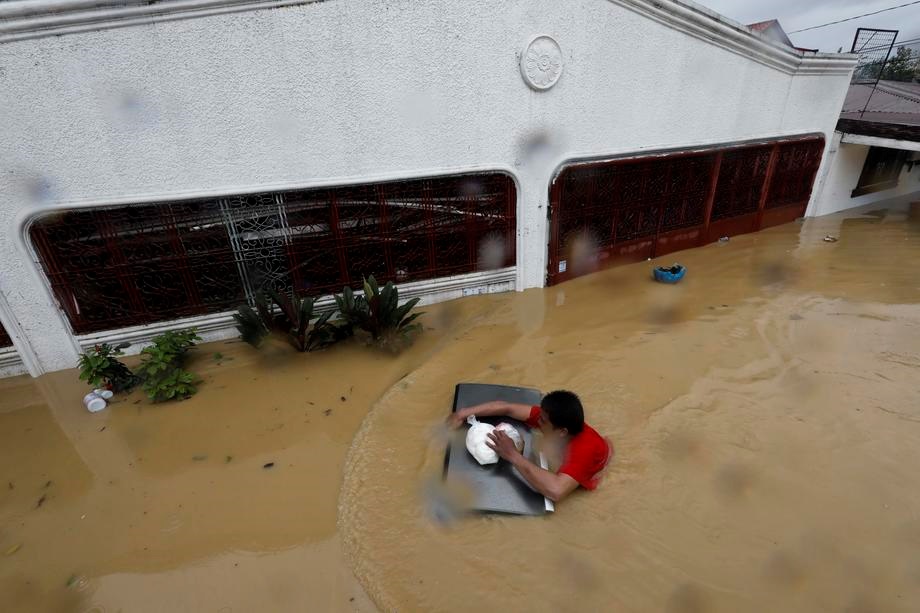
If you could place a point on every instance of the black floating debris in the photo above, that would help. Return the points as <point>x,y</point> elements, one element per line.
<point>342,398</point>
<point>199,458</point>
<point>268,465</point>
<point>327,412</point>
<point>40,502</point>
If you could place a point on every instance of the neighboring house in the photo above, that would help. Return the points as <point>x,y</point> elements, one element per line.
<point>875,151</point>
<point>771,30</point>
<point>162,161</point>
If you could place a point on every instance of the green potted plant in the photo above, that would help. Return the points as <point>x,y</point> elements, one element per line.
<point>100,367</point>
<point>162,369</point>
<point>379,314</point>
<point>291,319</point>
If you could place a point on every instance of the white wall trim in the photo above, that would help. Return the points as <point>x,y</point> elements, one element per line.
<point>25,217</point>
<point>28,19</point>
<point>877,141</point>
<point>215,326</point>
<point>21,349</point>
<point>9,358</point>
<point>692,147</point>
<point>25,19</point>
<point>704,24</point>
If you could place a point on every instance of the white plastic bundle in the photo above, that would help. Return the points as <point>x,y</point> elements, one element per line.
<point>512,433</point>
<point>477,438</point>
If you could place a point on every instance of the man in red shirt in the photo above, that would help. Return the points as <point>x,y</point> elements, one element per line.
<point>561,418</point>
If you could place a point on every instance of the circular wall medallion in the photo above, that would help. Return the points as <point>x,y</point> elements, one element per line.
<point>541,62</point>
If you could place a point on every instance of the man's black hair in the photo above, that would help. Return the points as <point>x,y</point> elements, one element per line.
<point>563,409</point>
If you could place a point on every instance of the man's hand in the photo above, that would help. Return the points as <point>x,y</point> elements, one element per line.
<point>456,419</point>
<point>502,444</point>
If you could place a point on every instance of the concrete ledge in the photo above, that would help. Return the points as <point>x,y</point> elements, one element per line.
<point>220,326</point>
<point>877,141</point>
<point>908,135</point>
<point>10,364</point>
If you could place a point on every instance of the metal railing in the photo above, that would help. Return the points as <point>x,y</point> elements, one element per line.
<point>884,61</point>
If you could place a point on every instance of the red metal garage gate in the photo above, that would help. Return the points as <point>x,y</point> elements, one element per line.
<point>112,267</point>
<point>630,209</point>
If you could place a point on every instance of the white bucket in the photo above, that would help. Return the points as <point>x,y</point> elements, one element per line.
<point>106,394</point>
<point>94,402</point>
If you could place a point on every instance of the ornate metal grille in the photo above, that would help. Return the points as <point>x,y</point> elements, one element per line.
<point>120,266</point>
<point>5,340</point>
<point>741,180</point>
<point>689,189</point>
<point>112,267</point>
<point>625,200</point>
<point>641,207</point>
<point>796,166</point>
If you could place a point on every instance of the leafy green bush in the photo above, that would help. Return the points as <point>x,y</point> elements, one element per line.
<point>379,313</point>
<point>291,321</point>
<point>100,368</point>
<point>162,366</point>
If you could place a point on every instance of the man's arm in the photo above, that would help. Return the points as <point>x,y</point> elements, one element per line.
<point>553,486</point>
<point>521,412</point>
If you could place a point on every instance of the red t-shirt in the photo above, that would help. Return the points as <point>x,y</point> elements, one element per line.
<point>585,457</point>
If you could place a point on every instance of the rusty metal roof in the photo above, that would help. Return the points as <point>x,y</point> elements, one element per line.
<point>891,102</point>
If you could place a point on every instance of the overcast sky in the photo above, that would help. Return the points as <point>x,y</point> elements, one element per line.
<point>797,14</point>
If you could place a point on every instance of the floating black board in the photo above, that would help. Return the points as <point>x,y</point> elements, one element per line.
<point>498,489</point>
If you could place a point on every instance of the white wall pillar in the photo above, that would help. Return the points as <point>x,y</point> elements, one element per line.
<point>533,200</point>
<point>827,165</point>
<point>29,314</point>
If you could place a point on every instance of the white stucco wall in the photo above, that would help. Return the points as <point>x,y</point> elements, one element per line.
<point>845,163</point>
<point>350,90</point>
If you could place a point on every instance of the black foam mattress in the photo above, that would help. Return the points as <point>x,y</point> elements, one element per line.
<point>498,488</point>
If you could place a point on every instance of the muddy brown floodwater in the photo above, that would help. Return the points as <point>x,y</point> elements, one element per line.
<point>764,413</point>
